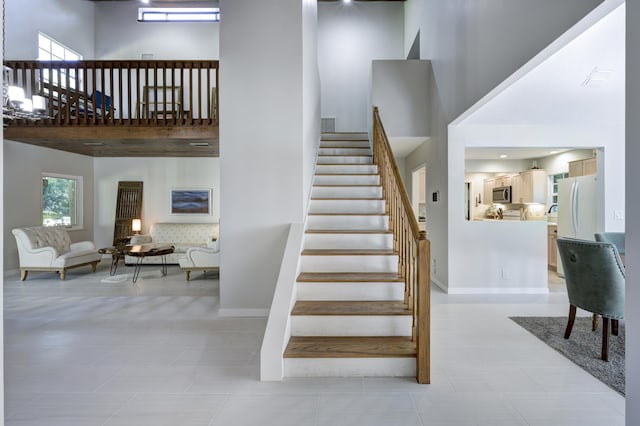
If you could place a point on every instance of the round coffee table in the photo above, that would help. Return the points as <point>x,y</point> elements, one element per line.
<point>146,250</point>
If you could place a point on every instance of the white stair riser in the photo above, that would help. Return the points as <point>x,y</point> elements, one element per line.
<point>349,263</point>
<point>351,325</point>
<point>348,241</point>
<point>345,144</point>
<point>349,169</point>
<point>350,291</point>
<point>346,180</point>
<point>345,159</point>
<point>346,206</point>
<point>363,223</point>
<point>340,136</point>
<point>350,367</point>
<point>344,151</point>
<point>346,192</point>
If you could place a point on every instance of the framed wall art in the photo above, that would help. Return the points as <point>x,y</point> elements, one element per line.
<point>190,201</point>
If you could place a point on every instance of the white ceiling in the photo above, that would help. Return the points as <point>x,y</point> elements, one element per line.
<point>511,153</point>
<point>403,146</point>
<point>554,92</point>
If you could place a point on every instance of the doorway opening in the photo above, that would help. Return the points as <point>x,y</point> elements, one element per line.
<point>419,195</point>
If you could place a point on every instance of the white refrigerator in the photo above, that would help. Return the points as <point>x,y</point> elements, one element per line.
<point>580,209</point>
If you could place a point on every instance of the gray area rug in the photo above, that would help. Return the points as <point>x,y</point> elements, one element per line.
<point>583,347</point>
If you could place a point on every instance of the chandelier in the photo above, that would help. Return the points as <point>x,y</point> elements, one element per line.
<point>14,103</point>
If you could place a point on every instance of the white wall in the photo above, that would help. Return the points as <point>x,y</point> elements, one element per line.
<point>22,170</point>
<point>311,96</point>
<point>413,16</point>
<point>473,46</point>
<point>69,22</point>
<point>119,35</point>
<point>632,383</point>
<point>158,175</point>
<point>349,38</point>
<point>263,150</point>
<point>466,242</point>
<point>400,90</point>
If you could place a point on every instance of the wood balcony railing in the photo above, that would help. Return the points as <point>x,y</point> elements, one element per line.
<point>410,243</point>
<point>121,93</point>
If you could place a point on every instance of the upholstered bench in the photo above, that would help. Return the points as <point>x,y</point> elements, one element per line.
<point>181,236</point>
<point>43,248</point>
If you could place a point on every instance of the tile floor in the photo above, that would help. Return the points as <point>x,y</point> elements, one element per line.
<point>87,352</point>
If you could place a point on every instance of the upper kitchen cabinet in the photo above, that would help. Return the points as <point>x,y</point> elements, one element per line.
<point>584,167</point>
<point>487,189</point>
<point>503,181</point>
<point>530,187</point>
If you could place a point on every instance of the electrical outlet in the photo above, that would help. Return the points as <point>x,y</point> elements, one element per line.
<point>506,275</point>
<point>618,214</point>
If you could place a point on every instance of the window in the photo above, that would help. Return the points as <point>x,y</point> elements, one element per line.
<point>61,200</point>
<point>554,185</point>
<point>179,14</point>
<point>51,50</point>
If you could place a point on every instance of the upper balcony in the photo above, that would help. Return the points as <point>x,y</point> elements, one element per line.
<point>120,108</point>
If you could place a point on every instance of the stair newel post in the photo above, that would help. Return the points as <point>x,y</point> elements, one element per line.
<point>423,365</point>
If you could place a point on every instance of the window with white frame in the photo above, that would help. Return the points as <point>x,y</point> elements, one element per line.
<point>51,50</point>
<point>62,200</point>
<point>179,14</point>
<point>554,185</point>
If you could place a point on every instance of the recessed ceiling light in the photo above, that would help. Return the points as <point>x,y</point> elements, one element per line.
<point>503,156</point>
<point>553,152</point>
<point>145,1</point>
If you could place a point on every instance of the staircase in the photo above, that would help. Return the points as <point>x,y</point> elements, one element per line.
<point>350,317</point>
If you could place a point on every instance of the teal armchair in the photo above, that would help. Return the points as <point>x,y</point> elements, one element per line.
<point>595,278</point>
<point>617,238</point>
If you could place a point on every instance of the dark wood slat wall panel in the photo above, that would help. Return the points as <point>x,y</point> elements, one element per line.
<point>128,207</point>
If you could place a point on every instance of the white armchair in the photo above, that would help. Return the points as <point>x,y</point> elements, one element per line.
<point>201,259</point>
<point>50,249</point>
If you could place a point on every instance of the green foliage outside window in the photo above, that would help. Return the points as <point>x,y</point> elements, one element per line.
<point>59,201</point>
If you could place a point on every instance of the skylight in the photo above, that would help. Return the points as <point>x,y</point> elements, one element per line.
<point>179,14</point>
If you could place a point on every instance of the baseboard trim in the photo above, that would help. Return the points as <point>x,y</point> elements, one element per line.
<point>442,286</point>
<point>495,290</point>
<point>227,313</point>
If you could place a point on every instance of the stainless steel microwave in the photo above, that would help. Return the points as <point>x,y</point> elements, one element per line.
<point>502,195</point>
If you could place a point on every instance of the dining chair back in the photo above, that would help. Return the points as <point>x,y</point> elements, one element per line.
<point>595,279</point>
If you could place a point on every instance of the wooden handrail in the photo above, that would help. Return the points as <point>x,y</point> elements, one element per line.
<point>122,92</point>
<point>410,243</point>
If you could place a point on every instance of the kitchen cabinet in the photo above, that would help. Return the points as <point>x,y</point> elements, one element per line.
<point>487,190</point>
<point>531,187</point>
<point>502,181</point>
<point>586,167</point>
<point>552,249</point>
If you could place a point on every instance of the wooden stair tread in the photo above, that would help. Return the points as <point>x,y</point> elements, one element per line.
<point>342,185</point>
<point>344,307</point>
<point>347,214</point>
<point>348,252</point>
<point>345,198</point>
<point>345,155</point>
<point>350,347</point>
<point>329,146</point>
<point>345,174</point>
<point>347,231</point>
<point>348,277</point>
